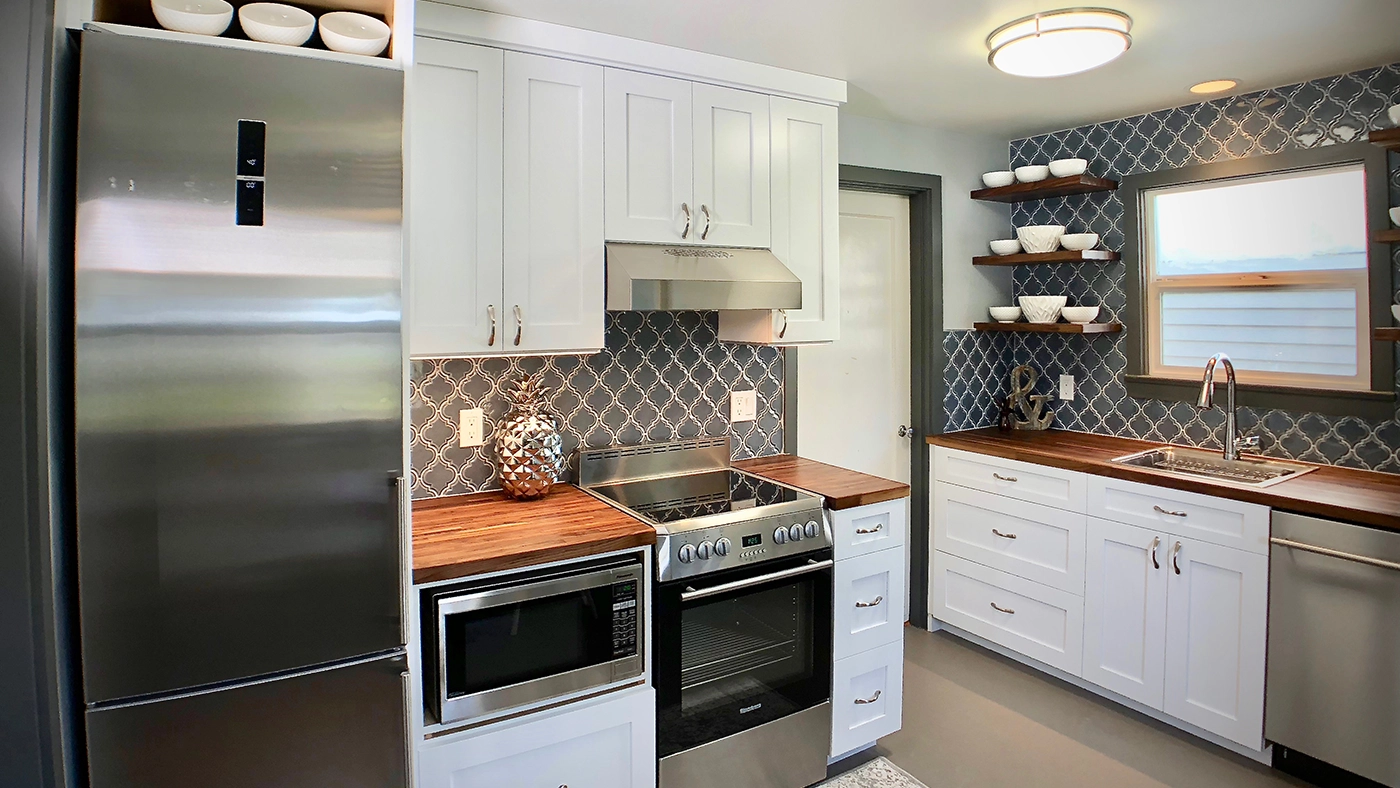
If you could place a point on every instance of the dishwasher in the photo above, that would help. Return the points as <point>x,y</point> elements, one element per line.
<point>1333,687</point>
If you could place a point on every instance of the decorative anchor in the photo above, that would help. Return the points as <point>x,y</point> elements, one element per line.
<point>1031,406</point>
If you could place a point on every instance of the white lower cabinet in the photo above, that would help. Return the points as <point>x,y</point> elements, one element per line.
<point>869,602</point>
<point>1125,611</point>
<point>867,697</point>
<point>609,744</point>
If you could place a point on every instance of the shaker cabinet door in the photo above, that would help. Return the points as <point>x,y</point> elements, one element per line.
<point>1125,610</point>
<point>806,215</point>
<point>647,129</point>
<point>731,167</point>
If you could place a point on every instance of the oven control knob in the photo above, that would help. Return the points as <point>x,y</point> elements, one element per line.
<point>795,532</point>
<point>702,550</point>
<point>722,547</point>
<point>780,535</point>
<point>686,554</point>
<point>811,529</point>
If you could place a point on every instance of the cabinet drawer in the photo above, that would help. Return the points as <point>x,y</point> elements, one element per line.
<point>1040,622</point>
<point>867,697</point>
<point>1026,539</point>
<point>869,601</point>
<point>868,529</point>
<point>1022,480</point>
<point>1244,526</point>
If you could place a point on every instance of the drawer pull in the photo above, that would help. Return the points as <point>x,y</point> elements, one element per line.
<point>1004,478</point>
<point>872,603</point>
<point>1156,542</point>
<point>1002,535</point>
<point>1168,512</point>
<point>874,530</point>
<point>871,699</point>
<point>1176,551</point>
<point>1003,609</point>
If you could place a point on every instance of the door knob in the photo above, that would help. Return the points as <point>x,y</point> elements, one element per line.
<point>906,432</point>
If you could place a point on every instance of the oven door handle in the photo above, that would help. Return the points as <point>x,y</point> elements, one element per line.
<point>691,594</point>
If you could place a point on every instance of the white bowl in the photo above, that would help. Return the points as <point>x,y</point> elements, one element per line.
<point>274,23</point>
<point>1038,238</point>
<point>1395,310</point>
<point>1063,168</point>
<point>1078,242</point>
<point>203,17</point>
<point>995,180</point>
<point>1395,216</point>
<point>1009,246</point>
<point>1005,314</point>
<point>1042,309</point>
<point>1394,113</point>
<point>1080,314</point>
<point>1032,173</point>
<point>352,33</point>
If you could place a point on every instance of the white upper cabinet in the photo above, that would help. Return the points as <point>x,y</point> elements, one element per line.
<point>650,158</point>
<point>732,167</point>
<point>454,200</point>
<point>806,214</point>
<point>553,247</point>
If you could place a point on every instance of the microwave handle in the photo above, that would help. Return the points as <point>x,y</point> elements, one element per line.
<point>690,594</point>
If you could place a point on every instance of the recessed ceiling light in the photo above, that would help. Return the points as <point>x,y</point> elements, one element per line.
<point>1215,86</point>
<point>1056,43</point>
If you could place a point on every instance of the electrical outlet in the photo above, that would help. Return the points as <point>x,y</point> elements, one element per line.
<point>471,428</point>
<point>1067,388</point>
<point>743,405</point>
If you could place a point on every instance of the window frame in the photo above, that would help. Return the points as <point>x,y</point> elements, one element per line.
<point>1376,401</point>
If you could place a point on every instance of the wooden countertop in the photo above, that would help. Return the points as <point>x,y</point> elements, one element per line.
<point>1367,497</point>
<point>841,488</point>
<point>488,532</point>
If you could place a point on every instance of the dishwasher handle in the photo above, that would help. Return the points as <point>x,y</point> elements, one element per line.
<point>1327,551</point>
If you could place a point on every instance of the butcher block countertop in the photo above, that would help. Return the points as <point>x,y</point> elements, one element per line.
<point>841,488</point>
<point>488,532</point>
<point>1367,497</point>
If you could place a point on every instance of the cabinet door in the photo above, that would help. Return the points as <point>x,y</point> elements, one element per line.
<point>731,167</point>
<point>606,745</point>
<point>647,127</point>
<point>1217,612</point>
<point>454,200</point>
<point>806,214</point>
<point>1125,611</point>
<point>553,205</point>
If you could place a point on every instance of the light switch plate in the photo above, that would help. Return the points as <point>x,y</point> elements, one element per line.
<point>1067,388</point>
<point>471,428</point>
<point>743,405</point>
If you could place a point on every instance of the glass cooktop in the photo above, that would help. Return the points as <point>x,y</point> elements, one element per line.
<point>670,498</point>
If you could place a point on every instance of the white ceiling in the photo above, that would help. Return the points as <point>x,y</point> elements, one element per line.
<point>925,61</point>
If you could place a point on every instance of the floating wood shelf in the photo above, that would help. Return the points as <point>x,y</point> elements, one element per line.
<point>1388,237</point>
<point>1386,334</point>
<point>1062,256</point>
<point>1386,138</point>
<point>1051,187</point>
<point>1051,328</point>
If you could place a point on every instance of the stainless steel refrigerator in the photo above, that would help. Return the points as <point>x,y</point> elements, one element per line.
<point>238,380</point>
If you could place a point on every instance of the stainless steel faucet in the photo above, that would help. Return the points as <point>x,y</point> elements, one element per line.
<point>1231,440</point>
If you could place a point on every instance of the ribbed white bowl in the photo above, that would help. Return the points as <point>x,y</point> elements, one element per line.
<point>1008,246</point>
<point>352,33</point>
<point>202,17</point>
<point>274,23</point>
<point>1042,309</point>
<point>1038,238</point>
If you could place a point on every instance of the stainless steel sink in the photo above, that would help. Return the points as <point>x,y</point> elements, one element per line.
<point>1204,464</point>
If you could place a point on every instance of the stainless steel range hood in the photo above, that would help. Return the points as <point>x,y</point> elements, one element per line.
<point>656,277</point>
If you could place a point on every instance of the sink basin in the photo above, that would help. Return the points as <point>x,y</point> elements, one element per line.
<point>1205,464</point>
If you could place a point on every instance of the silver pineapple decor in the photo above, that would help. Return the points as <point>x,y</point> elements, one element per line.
<point>529,449</point>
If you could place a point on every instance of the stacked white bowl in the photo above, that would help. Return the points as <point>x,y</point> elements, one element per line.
<point>1042,309</point>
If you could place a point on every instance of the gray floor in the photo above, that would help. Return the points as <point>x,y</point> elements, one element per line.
<point>973,718</point>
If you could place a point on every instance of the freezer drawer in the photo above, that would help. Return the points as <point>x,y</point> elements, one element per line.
<point>343,727</point>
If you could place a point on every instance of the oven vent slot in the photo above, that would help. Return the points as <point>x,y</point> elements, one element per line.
<point>625,463</point>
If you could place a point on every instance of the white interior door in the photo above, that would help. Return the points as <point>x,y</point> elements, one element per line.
<point>853,394</point>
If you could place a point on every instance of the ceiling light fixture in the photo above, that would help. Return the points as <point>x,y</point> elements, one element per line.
<point>1056,43</point>
<point>1215,86</point>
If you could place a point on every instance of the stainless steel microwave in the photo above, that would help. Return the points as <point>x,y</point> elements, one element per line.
<point>524,639</point>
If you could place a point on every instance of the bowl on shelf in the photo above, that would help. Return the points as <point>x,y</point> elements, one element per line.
<point>1079,315</point>
<point>353,34</point>
<point>202,17</point>
<point>1040,238</point>
<point>998,179</point>
<point>1042,309</point>
<point>1394,113</point>
<point>1008,246</point>
<point>1078,242</point>
<point>274,23</point>
<point>1064,168</point>
<point>1395,310</point>
<point>1395,216</point>
<point>1005,314</point>
<point>1032,173</point>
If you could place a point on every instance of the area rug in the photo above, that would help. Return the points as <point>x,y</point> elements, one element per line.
<point>879,773</point>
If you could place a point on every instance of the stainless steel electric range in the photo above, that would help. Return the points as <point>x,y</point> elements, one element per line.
<point>742,606</point>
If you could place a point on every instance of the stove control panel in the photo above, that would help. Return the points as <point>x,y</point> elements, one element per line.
<point>707,550</point>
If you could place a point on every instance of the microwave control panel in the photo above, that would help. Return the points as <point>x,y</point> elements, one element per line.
<point>624,616</point>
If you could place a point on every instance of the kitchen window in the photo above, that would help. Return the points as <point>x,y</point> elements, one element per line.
<point>1268,260</point>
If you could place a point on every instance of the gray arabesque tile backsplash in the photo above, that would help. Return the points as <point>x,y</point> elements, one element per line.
<point>1321,112</point>
<point>662,376</point>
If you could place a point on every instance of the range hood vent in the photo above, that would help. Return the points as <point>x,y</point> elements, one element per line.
<point>652,277</point>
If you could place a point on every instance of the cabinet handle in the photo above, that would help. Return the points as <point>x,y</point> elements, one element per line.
<point>999,477</point>
<point>874,530</point>
<point>519,325</point>
<point>686,232</point>
<point>491,312</point>
<point>1168,512</point>
<point>1176,551</point>
<point>871,699</point>
<point>705,233</point>
<point>1002,535</point>
<point>1003,609</point>
<point>872,603</point>
<point>783,331</point>
<point>1156,542</point>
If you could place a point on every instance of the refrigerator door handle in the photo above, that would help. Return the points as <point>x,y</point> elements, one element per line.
<point>409,745</point>
<point>405,551</point>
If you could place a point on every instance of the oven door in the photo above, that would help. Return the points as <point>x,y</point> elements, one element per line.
<point>738,649</point>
